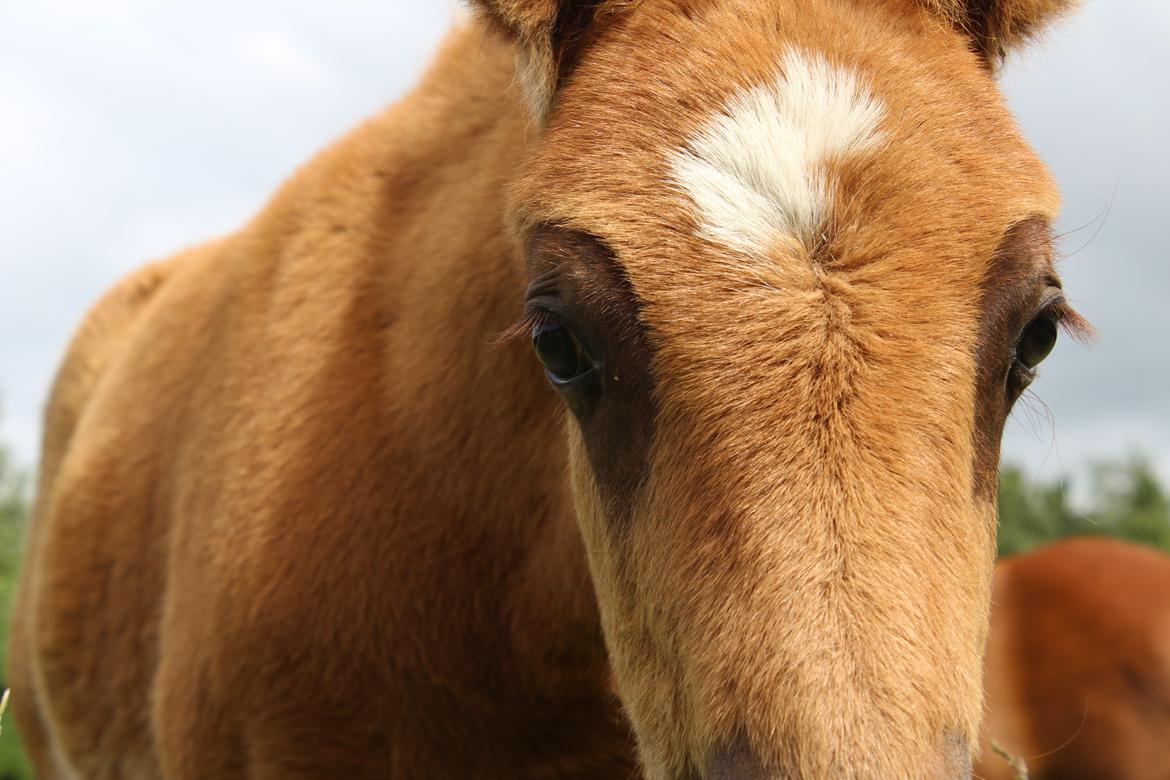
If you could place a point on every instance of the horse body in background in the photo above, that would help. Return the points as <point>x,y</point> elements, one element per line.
<point>786,265</point>
<point>1078,663</point>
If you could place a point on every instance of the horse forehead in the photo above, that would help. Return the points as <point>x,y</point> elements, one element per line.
<point>738,123</point>
<point>755,172</point>
<point>761,148</point>
<point>822,147</point>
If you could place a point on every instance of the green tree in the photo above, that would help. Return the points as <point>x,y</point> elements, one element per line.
<point>1125,500</point>
<point>13,517</point>
<point>1131,503</point>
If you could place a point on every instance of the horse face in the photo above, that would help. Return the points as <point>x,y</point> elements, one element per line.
<point>790,267</point>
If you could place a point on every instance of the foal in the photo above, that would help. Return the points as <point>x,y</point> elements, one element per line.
<point>1078,663</point>
<point>787,266</point>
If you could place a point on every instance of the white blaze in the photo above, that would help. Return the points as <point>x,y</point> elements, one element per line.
<point>755,170</point>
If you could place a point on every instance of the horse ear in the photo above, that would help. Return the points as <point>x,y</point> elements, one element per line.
<point>995,27</point>
<point>550,36</point>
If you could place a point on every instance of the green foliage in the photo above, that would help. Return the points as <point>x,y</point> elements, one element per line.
<point>1125,500</point>
<point>13,516</point>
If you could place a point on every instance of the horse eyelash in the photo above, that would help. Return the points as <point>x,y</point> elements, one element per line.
<point>1072,323</point>
<point>533,317</point>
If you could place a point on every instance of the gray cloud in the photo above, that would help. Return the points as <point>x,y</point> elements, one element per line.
<point>1094,99</point>
<point>128,132</point>
<point>129,129</point>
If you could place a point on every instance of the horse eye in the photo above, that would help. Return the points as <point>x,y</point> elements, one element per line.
<point>1037,341</point>
<point>560,352</point>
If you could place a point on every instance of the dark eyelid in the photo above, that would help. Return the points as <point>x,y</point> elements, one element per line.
<point>537,317</point>
<point>1054,303</point>
<point>543,307</point>
<point>544,285</point>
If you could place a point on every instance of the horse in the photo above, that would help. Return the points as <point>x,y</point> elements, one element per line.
<point>309,507</point>
<point>1078,663</point>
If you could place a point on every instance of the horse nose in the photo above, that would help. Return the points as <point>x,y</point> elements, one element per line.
<point>738,761</point>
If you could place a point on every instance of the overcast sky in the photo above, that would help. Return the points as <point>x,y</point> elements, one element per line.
<point>129,128</point>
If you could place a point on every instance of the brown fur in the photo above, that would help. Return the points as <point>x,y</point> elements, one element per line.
<point>995,27</point>
<point>1078,667</point>
<point>302,514</point>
